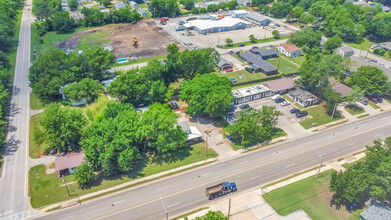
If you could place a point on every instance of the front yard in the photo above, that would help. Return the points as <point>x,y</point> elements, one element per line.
<point>319,116</point>
<point>312,195</point>
<point>354,109</point>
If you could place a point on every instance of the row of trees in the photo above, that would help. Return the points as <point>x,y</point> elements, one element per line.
<point>367,178</point>
<point>56,69</point>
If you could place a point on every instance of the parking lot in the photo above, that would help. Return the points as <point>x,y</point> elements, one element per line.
<point>214,39</point>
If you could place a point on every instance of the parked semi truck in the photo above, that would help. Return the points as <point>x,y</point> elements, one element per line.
<point>220,190</point>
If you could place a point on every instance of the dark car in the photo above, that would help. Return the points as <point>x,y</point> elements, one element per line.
<point>294,110</point>
<point>363,100</point>
<point>249,69</point>
<point>241,45</point>
<point>255,47</point>
<point>244,106</point>
<point>174,104</point>
<point>279,100</point>
<point>374,100</point>
<point>301,114</point>
<point>379,99</point>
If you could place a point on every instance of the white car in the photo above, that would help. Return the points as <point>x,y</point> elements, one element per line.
<point>285,103</point>
<point>275,97</point>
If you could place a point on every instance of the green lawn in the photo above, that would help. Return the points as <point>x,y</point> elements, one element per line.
<point>297,105</point>
<point>140,60</point>
<point>364,45</point>
<point>47,189</point>
<point>94,110</point>
<point>354,109</point>
<point>265,40</point>
<point>310,194</point>
<point>35,103</point>
<point>284,66</point>
<point>37,144</point>
<point>142,6</point>
<point>319,116</point>
<point>242,75</point>
<point>373,105</point>
<point>93,39</point>
<point>298,60</point>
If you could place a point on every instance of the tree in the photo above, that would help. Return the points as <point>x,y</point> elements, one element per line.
<point>280,10</point>
<point>306,18</point>
<point>73,4</point>
<point>193,62</point>
<point>130,87</point>
<point>306,38</point>
<point>369,78</point>
<point>251,37</point>
<point>254,126</point>
<point>207,94</point>
<point>320,9</point>
<point>354,94</point>
<point>379,51</point>
<point>211,215</point>
<point>92,17</point>
<point>380,27</point>
<point>87,88</point>
<point>106,3</point>
<point>332,43</point>
<point>154,71</point>
<point>60,22</point>
<point>158,92</point>
<point>95,61</point>
<point>163,8</point>
<point>62,127</point>
<point>189,4</point>
<point>4,61</point>
<point>84,174</point>
<point>276,34</point>
<point>295,13</point>
<point>232,4</point>
<point>173,48</point>
<point>229,41</point>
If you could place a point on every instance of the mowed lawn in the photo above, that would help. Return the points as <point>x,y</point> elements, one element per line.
<point>312,195</point>
<point>242,76</point>
<point>35,103</point>
<point>283,65</point>
<point>319,116</point>
<point>298,60</point>
<point>47,189</point>
<point>37,142</point>
<point>354,109</point>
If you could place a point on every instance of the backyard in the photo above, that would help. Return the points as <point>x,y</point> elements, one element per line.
<point>319,116</point>
<point>312,195</point>
<point>242,76</point>
<point>46,189</point>
<point>298,60</point>
<point>283,65</point>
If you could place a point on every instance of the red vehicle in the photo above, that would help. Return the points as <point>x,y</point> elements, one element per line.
<point>228,70</point>
<point>164,19</point>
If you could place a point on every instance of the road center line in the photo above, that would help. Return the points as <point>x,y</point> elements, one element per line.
<point>350,144</point>
<point>255,177</point>
<point>175,204</point>
<point>290,165</point>
<point>164,187</point>
<point>119,201</point>
<point>69,217</point>
<point>205,174</point>
<point>243,162</point>
<point>377,135</point>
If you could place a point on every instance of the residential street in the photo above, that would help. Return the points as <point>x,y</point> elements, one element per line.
<point>14,202</point>
<point>186,191</point>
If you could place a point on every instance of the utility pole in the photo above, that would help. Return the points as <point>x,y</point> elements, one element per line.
<point>206,146</point>
<point>229,208</point>
<point>335,106</point>
<point>278,64</point>
<point>319,166</point>
<point>66,186</point>
<point>164,206</point>
<point>218,41</point>
<point>361,50</point>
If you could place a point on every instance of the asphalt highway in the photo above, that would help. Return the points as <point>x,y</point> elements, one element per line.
<point>184,192</point>
<point>14,203</point>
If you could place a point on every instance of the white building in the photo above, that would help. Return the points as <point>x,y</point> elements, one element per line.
<point>212,26</point>
<point>193,134</point>
<point>345,51</point>
<point>238,13</point>
<point>290,50</point>
<point>251,93</point>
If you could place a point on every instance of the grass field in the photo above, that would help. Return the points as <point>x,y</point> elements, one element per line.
<point>373,105</point>
<point>298,60</point>
<point>93,39</point>
<point>265,40</point>
<point>311,195</point>
<point>37,142</point>
<point>242,75</point>
<point>284,66</point>
<point>364,45</point>
<point>35,103</point>
<point>47,189</point>
<point>319,116</point>
<point>354,109</point>
<point>94,110</point>
<point>140,60</point>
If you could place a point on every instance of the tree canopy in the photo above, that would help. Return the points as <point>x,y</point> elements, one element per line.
<point>164,8</point>
<point>87,88</point>
<point>369,78</point>
<point>306,38</point>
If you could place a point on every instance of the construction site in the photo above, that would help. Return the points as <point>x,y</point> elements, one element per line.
<point>144,39</point>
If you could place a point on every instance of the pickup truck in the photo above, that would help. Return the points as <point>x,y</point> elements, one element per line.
<point>220,190</point>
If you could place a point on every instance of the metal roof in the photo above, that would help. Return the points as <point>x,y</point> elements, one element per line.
<point>256,17</point>
<point>268,52</point>
<point>70,160</point>
<point>377,211</point>
<point>258,62</point>
<point>281,84</point>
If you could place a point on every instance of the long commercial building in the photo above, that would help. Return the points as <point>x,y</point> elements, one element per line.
<point>213,26</point>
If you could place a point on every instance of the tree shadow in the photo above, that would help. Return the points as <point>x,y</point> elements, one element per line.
<point>11,145</point>
<point>13,110</point>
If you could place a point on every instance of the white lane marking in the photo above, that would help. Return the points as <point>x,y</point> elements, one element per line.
<point>205,174</point>
<point>119,201</point>
<point>175,204</point>
<point>243,162</point>
<point>255,177</point>
<point>350,144</point>
<point>290,165</point>
<point>69,217</point>
<point>377,135</point>
<point>164,187</point>
<point>385,117</point>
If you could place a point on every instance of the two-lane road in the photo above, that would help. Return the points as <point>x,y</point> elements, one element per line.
<point>14,203</point>
<point>186,191</point>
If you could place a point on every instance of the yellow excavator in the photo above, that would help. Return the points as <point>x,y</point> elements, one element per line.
<point>135,42</point>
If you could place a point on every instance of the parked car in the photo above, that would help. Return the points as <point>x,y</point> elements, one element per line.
<point>230,51</point>
<point>244,106</point>
<point>255,47</point>
<point>278,25</point>
<point>279,100</point>
<point>181,23</point>
<point>174,104</point>
<point>301,114</point>
<point>233,79</point>
<point>276,96</point>
<point>249,69</point>
<point>374,100</point>
<point>228,70</point>
<point>285,103</point>
<point>379,98</point>
<point>241,45</point>
<point>363,100</point>
<point>294,110</point>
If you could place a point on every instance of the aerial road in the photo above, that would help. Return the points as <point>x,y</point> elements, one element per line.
<point>185,191</point>
<point>14,203</point>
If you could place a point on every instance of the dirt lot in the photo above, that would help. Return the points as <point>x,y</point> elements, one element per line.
<point>153,40</point>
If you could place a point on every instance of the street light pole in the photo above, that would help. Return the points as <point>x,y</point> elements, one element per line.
<point>229,208</point>
<point>164,206</point>
<point>66,186</point>
<point>335,106</point>
<point>319,166</point>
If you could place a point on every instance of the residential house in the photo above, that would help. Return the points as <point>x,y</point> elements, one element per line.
<point>244,2</point>
<point>200,5</point>
<point>120,5</point>
<point>81,102</point>
<point>345,51</point>
<point>340,88</point>
<point>385,46</point>
<point>67,164</point>
<point>267,54</point>
<point>193,134</point>
<point>257,19</point>
<point>258,64</point>
<point>250,93</point>
<point>290,50</point>
<point>224,65</point>
<point>133,4</point>
<point>142,12</point>
<point>303,97</point>
<point>238,13</point>
<point>281,86</point>
<point>376,210</point>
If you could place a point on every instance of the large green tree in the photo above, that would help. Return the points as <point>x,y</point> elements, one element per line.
<point>369,78</point>
<point>87,88</point>
<point>207,94</point>
<point>94,61</point>
<point>332,43</point>
<point>164,8</point>
<point>380,27</point>
<point>306,38</point>
<point>84,174</point>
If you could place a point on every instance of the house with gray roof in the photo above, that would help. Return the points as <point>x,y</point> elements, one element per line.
<point>385,46</point>
<point>250,93</point>
<point>304,98</point>
<point>376,211</point>
<point>224,64</point>
<point>133,4</point>
<point>281,86</point>
<point>267,54</point>
<point>142,12</point>
<point>345,51</point>
<point>258,64</point>
<point>257,19</point>
<point>340,88</point>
